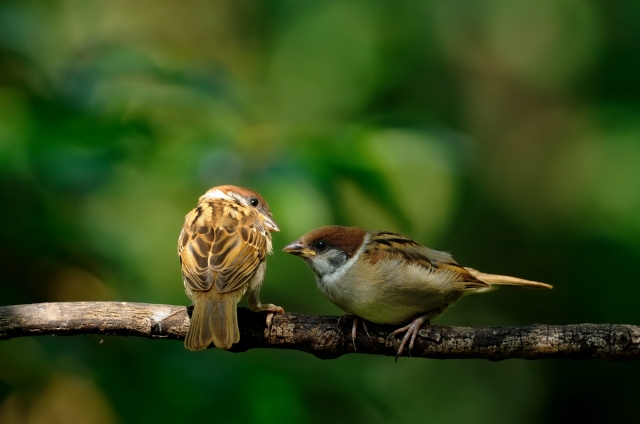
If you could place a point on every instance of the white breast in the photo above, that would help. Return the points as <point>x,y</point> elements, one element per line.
<point>388,292</point>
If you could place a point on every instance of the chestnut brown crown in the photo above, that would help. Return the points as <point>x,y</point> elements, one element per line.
<point>345,239</point>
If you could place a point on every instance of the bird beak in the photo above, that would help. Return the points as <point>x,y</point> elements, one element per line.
<point>297,249</point>
<point>270,224</point>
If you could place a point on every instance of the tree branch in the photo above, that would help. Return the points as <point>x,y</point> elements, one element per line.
<point>323,336</point>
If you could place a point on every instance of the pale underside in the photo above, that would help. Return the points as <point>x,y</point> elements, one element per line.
<point>400,294</point>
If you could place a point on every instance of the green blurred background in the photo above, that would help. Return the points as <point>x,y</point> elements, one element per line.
<point>506,132</point>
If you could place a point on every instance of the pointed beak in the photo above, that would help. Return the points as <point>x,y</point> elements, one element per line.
<point>270,224</point>
<point>297,249</point>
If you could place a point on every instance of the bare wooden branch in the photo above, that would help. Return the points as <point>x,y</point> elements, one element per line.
<point>324,337</point>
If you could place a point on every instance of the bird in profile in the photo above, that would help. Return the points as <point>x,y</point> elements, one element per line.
<point>223,247</point>
<point>388,278</point>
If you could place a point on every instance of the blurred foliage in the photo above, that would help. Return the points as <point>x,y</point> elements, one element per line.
<point>504,131</point>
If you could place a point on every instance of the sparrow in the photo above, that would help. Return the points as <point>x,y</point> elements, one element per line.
<point>223,248</point>
<point>388,278</point>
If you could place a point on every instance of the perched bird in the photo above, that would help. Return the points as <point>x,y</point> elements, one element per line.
<point>387,278</point>
<point>223,249</point>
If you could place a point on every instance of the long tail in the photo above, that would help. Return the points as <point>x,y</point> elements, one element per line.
<point>505,280</point>
<point>214,319</point>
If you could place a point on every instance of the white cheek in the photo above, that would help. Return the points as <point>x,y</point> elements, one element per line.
<point>331,278</point>
<point>322,266</point>
<point>334,275</point>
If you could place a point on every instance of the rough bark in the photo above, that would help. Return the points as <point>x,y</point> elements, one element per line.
<point>324,337</point>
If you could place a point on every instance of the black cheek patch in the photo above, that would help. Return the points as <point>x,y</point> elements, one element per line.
<point>338,259</point>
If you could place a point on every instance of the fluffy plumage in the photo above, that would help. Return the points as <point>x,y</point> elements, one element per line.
<point>222,248</point>
<point>388,278</point>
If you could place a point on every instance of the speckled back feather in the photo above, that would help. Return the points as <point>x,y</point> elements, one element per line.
<point>385,245</point>
<point>214,249</point>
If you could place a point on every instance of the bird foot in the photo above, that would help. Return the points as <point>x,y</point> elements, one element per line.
<point>271,311</point>
<point>411,334</point>
<point>354,328</point>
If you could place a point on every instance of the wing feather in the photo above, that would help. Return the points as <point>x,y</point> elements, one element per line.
<point>400,247</point>
<point>222,246</point>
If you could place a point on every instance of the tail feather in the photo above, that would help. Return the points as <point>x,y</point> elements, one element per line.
<point>214,319</point>
<point>505,280</point>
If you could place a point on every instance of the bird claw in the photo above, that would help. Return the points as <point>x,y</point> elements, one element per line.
<point>271,311</point>
<point>354,327</point>
<point>411,333</point>
<point>366,330</point>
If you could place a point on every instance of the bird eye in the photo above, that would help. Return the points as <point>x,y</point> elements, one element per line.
<point>321,246</point>
<point>254,202</point>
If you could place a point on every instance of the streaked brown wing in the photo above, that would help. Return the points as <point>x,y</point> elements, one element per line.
<point>393,245</point>
<point>234,258</point>
<point>194,246</point>
<point>220,248</point>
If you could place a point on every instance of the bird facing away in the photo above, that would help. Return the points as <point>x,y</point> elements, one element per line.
<point>223,248</point>
<point>388,278</point>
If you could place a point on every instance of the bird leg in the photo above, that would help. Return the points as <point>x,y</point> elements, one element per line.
<point>271,311</point>
<point>253,301</point>
<point>354,327</point>
<point>411,333</point>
